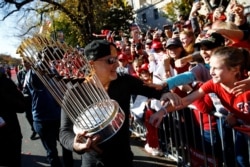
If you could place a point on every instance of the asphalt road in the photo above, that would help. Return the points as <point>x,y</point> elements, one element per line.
<point>34,155</point>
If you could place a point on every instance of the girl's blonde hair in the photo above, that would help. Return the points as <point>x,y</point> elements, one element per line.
<point>190,34</point>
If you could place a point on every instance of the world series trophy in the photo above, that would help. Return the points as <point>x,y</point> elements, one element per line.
<point>73,83</point>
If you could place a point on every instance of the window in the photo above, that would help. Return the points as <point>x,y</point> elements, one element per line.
<point>156,14</point>
<point>144,18</point>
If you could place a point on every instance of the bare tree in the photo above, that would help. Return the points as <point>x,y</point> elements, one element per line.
<point>81,14</point>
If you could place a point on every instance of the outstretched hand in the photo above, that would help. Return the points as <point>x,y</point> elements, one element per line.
<point>167,100</point>
<point>172,98</point>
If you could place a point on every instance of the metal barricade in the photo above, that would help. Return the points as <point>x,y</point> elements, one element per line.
<point>188,142</point>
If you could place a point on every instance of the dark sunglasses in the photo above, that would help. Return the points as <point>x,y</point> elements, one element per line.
<point>110,60</point>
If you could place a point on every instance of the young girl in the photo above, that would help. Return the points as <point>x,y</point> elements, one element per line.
<point>188,40</point>
<point>152,145</point>
<point>227,65</point>
<point>136,67</point>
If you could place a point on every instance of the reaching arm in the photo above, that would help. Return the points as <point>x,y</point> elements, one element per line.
<point>173,103</point>
<point>234,35</point>
<point>172,82</point>
<point>180,79</point>
<point>194,57</point>
<point>183,61</point>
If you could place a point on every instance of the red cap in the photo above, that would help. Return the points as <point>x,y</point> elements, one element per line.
<point>156,45</point>
<point>144,67</point>
<point>122,57</point>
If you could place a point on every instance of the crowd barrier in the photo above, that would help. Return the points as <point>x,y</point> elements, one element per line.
<point>195,139</point>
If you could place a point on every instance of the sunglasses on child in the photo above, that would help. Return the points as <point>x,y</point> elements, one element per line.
<point>110,60</point>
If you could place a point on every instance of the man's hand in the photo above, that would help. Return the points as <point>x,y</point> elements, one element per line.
<point>173,98</point>
<point>167,99</point>
<point>84,143</point>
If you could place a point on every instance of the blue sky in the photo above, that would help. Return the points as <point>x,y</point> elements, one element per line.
<point>8,41</point>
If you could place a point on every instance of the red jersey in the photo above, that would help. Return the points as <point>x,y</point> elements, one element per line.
<point>204,106</point>
<point>238,105</point>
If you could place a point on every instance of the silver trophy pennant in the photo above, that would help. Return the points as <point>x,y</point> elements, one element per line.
<point>69,77</point>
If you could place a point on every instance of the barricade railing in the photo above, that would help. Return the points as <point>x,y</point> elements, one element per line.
<point>196,139</point>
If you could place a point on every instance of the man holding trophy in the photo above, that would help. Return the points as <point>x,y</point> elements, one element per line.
<point>114,151</point>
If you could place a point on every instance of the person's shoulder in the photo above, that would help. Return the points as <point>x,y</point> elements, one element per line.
<point>198,66</point>
<point>127,78</point>
<point>122,75</point>
<point>122,79</point>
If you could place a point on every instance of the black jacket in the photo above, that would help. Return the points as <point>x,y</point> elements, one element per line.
<point>12,102</point>
<point>116,150</point>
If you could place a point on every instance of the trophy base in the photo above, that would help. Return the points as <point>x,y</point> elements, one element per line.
<point>105,128</point>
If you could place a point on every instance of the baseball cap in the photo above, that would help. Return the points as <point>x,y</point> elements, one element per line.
<point>156,45</point>
<point>212,41</point>
<point>144,67</point>
<point>122,57</point>
<point>98,49</point>
<point>173,42</point>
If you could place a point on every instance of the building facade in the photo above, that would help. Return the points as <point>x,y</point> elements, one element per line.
<point>149,13</point>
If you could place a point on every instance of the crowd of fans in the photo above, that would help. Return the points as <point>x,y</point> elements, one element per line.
<point>169,55</point>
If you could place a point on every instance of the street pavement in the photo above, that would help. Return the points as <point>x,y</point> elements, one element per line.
<point>34,154</point>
